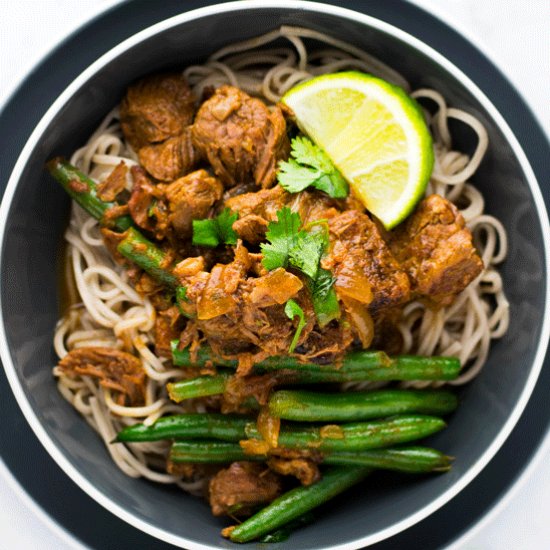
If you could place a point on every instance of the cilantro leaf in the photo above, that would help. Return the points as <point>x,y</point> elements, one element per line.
<point>295,178</point>
<point>205,233</point>
<point>282,236</point>
<point>309,154</point>
<point>290,246</point>
<point>225,222</point>
<point>323,296</point>
<point>212,232</point>
<point>306,254</point>
<point>333,184</point>
<point>311,166</point>
<point>292,309</point>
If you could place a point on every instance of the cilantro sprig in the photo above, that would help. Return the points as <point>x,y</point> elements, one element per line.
<point>311,167</point>
<point>290,246</point>
<point>212,232</point>
<point>292,309</point>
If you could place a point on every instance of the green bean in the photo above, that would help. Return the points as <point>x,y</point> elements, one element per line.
<point>136,248</point>
<point>401,459</point>
<point>209,452</point>
<point>298,501</point>
<point>348,406</point>
<point>83,190</point>
<point>356,365</point>
<point>188,426</point>
<point>202,386</point>
<point>357,436</point>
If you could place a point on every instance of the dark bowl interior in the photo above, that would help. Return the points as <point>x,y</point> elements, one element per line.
<point>29,293</point>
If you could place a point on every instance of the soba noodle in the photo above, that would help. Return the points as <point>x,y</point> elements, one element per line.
<point>112,313</point>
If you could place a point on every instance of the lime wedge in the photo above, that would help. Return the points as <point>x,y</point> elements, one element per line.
<point>374,133</point>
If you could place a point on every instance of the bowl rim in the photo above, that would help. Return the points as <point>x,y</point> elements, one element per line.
<point>338,12</point>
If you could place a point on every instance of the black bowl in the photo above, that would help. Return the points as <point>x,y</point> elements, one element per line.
<point>34,212</point>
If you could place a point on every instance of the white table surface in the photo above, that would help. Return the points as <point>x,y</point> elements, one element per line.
<point>513,33</point>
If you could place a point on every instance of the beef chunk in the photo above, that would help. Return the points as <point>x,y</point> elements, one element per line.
<point>359,253</point>
<point>170,159</point>
<point>116,370</point>
<point>146,204</point>
<point>256,210</point>
<point>240,137</point>
<point>114,184</point>
<point>243,488</point>
<point>252,228</point>
<point>264,203</point>
<point>156,108</point>
<point>435,249</point>
<point>191,198</point>
<point>303,469</point>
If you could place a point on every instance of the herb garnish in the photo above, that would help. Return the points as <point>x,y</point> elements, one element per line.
<point>212,232</point>
<point>292,309</point>
<point>290,246</point>
<point>311,167</point>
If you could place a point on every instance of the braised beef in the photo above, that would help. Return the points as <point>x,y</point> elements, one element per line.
<point>170,159</point>
<point>242,140</point>
<point>191,197</point>
<point>435,248</point>
<point>303,469</point>
<point>156,108</point>
<point>117,370</point>
<point>359,256</point>
<point>243,488</point>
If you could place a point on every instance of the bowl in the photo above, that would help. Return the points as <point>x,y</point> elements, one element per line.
<point>34,212</point>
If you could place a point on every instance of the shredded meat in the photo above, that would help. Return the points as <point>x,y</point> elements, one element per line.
<point>236,312</point>
<point>305,470</point>
<point>192,198</point>
<point>243,488</point>
<point>168,326</point>
<point>146,204</point>
<point>109,188</point>
<point>117,370</point>
<point>156,108</point>
<point>240,137</point>
<point>435,249</point>
<point>358,251</point>
<point>258,386</point>
<point>170,159</point>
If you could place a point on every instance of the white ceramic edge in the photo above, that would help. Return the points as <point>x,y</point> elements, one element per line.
<point>5,355</point>
<point>37,510</point>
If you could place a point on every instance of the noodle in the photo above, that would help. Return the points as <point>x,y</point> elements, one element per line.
<point>113,314</point>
